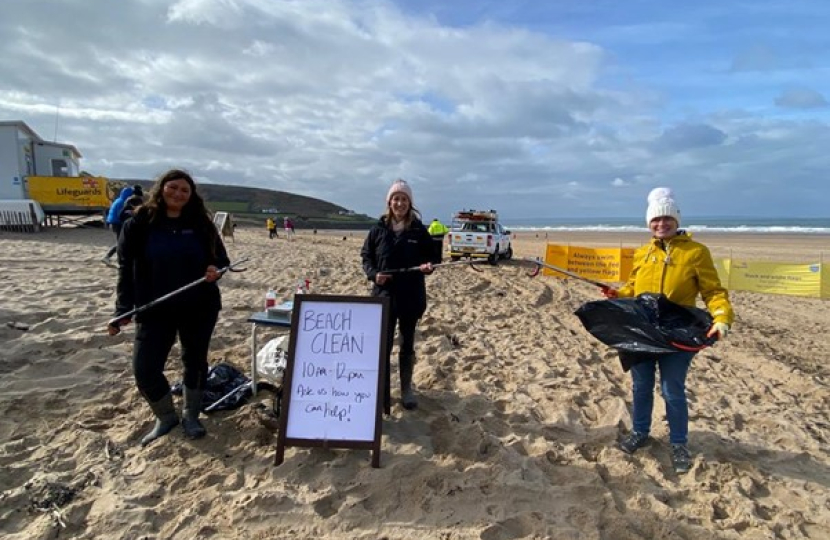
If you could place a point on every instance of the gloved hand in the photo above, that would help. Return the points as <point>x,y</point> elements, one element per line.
<point>720,328</point>
<point>609,292</point>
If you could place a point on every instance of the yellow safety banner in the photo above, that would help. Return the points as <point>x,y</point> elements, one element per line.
<point>601,264</point>
<point>614,265</point>
<point>67,192</point>
<point>775,278</point>
<point>556,255</point>
<point>723,266</point>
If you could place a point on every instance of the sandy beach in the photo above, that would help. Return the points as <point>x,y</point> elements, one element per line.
<point>514,438</point>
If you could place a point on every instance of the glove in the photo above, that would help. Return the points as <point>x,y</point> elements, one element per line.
<point>608,292</point>
<point>720,328</point>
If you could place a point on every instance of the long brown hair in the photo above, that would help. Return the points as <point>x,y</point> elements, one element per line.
<point>194,212</point>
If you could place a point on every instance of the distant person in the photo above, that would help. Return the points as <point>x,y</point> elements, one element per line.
<point>676,266</point>
<point>399,240</point>
<point>170,242</point>
<point>114,221</point>
<point>437,231</point>
<point>271,226</point>
<point>289,227</point>
<point>131,205</point>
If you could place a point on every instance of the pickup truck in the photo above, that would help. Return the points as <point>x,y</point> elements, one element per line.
<point>477,234</point>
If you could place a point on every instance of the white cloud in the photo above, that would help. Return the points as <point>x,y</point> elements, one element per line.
<point>219,13</point>
<point>336,99</point>
<point>801,98</point>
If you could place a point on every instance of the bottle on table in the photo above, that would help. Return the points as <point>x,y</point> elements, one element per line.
<point>270,299</point>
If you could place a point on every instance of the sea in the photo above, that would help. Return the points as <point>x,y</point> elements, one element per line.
<point>747,225</point>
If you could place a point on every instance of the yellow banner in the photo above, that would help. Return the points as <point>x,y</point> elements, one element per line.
<point>68,192</point>
<point>614,265</point>
<point>723,266</point>
<point>775,278</point>
<point>557,256</point>
<point>601,264</point>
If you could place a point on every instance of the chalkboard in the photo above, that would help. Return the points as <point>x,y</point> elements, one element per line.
<point>335,377</point>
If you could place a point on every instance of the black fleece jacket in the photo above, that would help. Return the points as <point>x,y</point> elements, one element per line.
<point>385,250</point>
<point>158,257</point>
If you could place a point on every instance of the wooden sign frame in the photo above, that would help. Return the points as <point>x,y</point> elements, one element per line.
<point>301,303</point>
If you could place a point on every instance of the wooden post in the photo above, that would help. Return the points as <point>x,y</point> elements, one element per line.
<point>729,272</point>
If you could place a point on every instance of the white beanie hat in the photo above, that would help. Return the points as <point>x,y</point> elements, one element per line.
<point>661,203</point>
<point>399,186</point>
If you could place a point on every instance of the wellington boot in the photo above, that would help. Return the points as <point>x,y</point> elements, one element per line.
<point>406,363</point>
<point>193,428</point>
<point>166,419</point>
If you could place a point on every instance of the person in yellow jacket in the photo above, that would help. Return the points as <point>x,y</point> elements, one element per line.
<point>676,266</point>
<point>271,226</point>
<point>437,231</point>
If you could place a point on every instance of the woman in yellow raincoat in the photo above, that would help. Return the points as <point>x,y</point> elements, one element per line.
<point>676,266</point>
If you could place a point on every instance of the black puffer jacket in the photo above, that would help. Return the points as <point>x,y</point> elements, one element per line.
<point>385,250</point>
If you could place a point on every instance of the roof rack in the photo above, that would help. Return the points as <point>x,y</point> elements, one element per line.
<point>477,215</point>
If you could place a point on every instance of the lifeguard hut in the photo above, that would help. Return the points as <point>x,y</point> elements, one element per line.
<point>40,179</point>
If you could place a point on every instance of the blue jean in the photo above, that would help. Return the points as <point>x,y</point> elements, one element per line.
<point>673,370</point>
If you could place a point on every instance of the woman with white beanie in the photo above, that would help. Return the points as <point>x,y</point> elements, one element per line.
<point>400,240</point>
<point>676,266</point>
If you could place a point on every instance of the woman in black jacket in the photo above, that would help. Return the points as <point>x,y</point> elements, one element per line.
<point>170,242</point>
<point>400,240</point>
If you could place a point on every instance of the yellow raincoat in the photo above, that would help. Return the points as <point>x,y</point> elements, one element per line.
<point>679,268</point>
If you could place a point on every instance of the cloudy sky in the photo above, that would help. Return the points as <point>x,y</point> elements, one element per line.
<point>567,108</point>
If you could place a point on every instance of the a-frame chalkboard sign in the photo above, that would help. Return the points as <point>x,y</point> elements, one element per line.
<point>335,378</point>
<point>224,224</point>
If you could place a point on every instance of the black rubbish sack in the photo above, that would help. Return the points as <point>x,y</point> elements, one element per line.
<point>223,379</point>
<point>646,326</point>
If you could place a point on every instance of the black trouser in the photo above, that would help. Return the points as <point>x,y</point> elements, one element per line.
<point>407,327</point>
<point>116,228</point>
<point>437,248</point>
<point>155,337</point>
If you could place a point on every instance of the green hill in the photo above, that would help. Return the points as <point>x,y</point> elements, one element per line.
<point>251,206</point>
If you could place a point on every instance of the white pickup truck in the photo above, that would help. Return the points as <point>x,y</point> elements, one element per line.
<point>477,234</point>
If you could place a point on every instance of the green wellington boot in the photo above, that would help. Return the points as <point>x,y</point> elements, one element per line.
<point>406,363</point>
<point>166,419</point>
<point>193,428</point>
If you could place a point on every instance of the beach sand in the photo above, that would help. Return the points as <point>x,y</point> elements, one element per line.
<point>514,438</point>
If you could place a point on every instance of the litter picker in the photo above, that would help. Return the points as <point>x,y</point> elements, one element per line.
<point>241,388</point>
<point>117,320</point>
<point>539,265</point>
<point>439,265</point>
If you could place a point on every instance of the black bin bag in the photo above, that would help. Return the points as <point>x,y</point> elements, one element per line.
<point>646,326</point>
<point>222,379</point>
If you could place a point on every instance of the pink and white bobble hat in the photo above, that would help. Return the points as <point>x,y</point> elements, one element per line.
<point>399,186</point>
